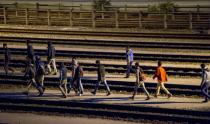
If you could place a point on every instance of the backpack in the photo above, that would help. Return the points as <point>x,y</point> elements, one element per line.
<point>142,76</point>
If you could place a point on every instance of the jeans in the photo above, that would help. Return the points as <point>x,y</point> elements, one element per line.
<point>205,90</point>
<point>98,84</point>
<point>129,67</point>
<point>143,86</point>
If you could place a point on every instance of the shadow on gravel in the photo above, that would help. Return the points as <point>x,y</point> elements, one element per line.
<point>169,102</point>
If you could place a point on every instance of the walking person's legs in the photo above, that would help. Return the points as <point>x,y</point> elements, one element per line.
<point>157,90</point>
<point>145,90</point>
<point>165,90</point>
<point>107,88</point>
<point>54,65</point>
<point>96,87</point>
<point>135,91</point>
<point>49,66</point>
<point>81,89</point>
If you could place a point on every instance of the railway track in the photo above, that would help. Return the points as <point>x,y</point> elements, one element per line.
<point>89,83</point>
<point>113,68</point>
<point>125,112</point>
<point>108,43</point>
<point>116,55</point>
<point>112,34</point>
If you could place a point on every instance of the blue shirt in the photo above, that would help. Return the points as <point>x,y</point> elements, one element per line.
<point>129,55</point>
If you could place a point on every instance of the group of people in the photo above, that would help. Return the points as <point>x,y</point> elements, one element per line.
<point>36,70</point>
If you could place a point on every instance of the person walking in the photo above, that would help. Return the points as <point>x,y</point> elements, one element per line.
<point>30,56</point>
<point>40,72</point>
<point>101,78</point>
<point>51,58</point>
<point>205,83</point>
<point>30,72</point>
<point>63,80</point>
<point>129,59</point>
<point>76,83</point>
<point>7,59</point>
<point>140,78</point>
<point>161,76</point>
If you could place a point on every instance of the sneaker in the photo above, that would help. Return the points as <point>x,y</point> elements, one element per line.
<point>68,90</point>
<point>94,93</point>
<point>169,96</point>
<point>132,97</point>
<point>148,98</point>
<point>108,94</point>
<point>156,96</point>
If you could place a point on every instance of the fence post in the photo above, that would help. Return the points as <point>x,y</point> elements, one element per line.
<point>93,18</point>
<point>48,17</point>
<point>165,21</point>
<point>140,19</point>
<point>37,9</point>
<point>117,19</point>
<point>71,17</point>
<point>16,9</point>
<point>5,15</point>
<point>198,8</point>
<point>80,9</point>
<point>126,14</point>
<point>102,9</point>
<point>27,16</point>
<point>190,21</point>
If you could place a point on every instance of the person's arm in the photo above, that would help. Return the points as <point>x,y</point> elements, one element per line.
<point>156,74</point>
<point>137,75</point>
<point>204,76</point>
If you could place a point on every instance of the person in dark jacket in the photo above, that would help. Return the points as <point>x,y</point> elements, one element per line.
<point>63,80</point>
<point>205,83</point>
<point>101,78</point>
<point>30,72</point>
<point>40,72</point>
<point>51,58</point>
<point>76,81</point>
<point>30,55</point>
<point>7,58</point>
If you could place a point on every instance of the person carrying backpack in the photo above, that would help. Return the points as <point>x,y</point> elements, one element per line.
<point>101,78</point>
<point>7,59</point>
<point>205,83</point>
<point>51,58</point>
<point>40,72</point>
<point>161,76</point>
<point>140,78</point>
<point>76,83</point>
<point>30,72</point>
<point>63,80</point>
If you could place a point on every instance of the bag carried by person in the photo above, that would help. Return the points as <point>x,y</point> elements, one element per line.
<point>142,76</point>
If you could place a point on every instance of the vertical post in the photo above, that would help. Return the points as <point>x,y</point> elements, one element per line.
<point>102,9</point>
<point>5,15</point>
<point>165,21</point>
<point>126,14</point>
<point>198,8</point>
<point>93,18</point>
<point>16,9</point>
<point>140,19</point>
<point>48,17</point>
<point>80,8</point>
<point>37,9</point>
<point>117,19</point>
<point>27,16</point>
<point>190,21</point>
<point>71,17</point>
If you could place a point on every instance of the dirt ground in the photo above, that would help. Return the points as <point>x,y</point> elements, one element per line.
<point>31,118</point>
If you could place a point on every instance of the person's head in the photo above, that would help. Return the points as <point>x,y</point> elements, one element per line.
<point>4,45</point>
<point>98,62</point>
<point>27,42</point>
<point>38,58</point>
<point>137,64</point>
<point>127,48</point>
<point>49,43</point>
<point>159,63</point>
<point>62,64</point>
<point>74,58</point>
<point>203,66</point>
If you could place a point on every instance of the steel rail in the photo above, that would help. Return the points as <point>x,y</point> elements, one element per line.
<point>113,34</point>
<point>107,43</point>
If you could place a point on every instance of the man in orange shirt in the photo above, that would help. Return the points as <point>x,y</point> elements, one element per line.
<point>161,76</point>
